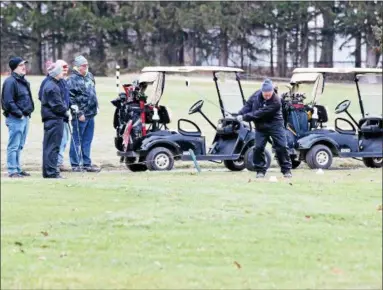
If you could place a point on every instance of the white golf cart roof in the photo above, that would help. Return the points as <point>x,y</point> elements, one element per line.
<point>337,70</point>
<point>188,69</point>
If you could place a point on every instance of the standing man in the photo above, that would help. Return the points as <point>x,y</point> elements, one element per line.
<point>265,109</point>
<point>84,106</point>
<point>53,113</point>
<point>66,133</point>
<point>17,105</point>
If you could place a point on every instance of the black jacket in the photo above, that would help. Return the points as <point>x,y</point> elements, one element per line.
<point>53,104</point>
<point>265,114</point>
<point>16,97</point>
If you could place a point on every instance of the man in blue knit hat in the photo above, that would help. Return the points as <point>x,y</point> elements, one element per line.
<point>265,109</point>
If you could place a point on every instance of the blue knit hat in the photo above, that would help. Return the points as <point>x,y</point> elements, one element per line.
<point>267,86</point>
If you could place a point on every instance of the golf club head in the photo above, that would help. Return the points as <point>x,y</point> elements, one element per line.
<point>187,82</point>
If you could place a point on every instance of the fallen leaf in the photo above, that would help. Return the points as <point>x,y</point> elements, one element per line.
<point>307,217</point>
<point>337,271</point>
<point>18,244</point>
<point>21,250</point>
<point>44,233</point>
<point>249,180</point>
<point>63,254</point>
<point>237,265</point>
<point>290,183</point>
<point>380,207</point>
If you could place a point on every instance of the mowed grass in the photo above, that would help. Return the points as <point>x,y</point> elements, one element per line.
<point>183,230</point>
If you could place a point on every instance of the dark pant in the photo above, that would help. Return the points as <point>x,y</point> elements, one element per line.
<point>53,134</point>
<point>79,152</point>
<point>278,135</point>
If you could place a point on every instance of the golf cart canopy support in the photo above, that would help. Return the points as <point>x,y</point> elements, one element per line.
<point>150,72</point>
<point>338,70</point>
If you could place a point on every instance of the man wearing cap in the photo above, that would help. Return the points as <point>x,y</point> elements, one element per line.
<point>265,109</point>
<point>84,105</point>
<point>17,105</point>
<point>53,112</point>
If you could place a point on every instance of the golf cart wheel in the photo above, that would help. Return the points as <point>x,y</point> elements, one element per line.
<point>319,156</point>
<point>135,167</point>
<point>160,159</point>
<point>373,162</point>
<point>235,165</point>
<point>249,159</point>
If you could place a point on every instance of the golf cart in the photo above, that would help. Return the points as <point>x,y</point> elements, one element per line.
<point>157,147</point>
<point>300,115</point>
<point>363,140</point>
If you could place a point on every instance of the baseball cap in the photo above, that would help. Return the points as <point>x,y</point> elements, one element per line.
<point>14,62</point>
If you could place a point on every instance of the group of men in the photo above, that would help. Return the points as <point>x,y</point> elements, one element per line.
<point>65,98</point>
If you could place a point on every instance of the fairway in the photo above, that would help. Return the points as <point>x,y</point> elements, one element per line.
<point>187,230</point>
<point>181,230</point>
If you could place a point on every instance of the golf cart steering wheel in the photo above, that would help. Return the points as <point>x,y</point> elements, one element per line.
<point>343,106</point>
<point>196,107</point>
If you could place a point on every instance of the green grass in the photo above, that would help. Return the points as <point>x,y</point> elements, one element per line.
<point>182,230</point>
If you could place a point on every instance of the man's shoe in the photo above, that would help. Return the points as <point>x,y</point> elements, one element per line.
<point>24,173</point>
<point>62,168</point>
<point>15,175</point>
<point>92,168</point>
<point>260,175</point>
<point>287,174</point>
<point>77,169</point>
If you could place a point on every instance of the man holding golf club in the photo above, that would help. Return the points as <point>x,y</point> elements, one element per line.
<point>17,105</point>
<point>53,112</point>
<point>84,105</point>
<point>265,109</point>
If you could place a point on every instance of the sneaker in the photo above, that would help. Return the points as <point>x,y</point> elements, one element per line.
<point>77,169</point>
<point>15,175</point>
<point>287,174</point>
<point>92,168</point>
<point>24,173</point>
<point>260,175</point>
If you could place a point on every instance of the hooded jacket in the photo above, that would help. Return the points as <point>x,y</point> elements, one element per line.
<point>16,97</point>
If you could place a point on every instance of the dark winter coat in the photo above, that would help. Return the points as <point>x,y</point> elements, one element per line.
<point>16,97</point>
<point>53,105</point>
<point>82,92</point>
<point>265,113</point>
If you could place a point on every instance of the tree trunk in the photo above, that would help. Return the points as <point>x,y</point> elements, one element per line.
<point>271,51</point>
<point>304,45</point>
<point>372,53</point>
<point>224,50</point>
<point>281,55</point>
<point>327,32</point>
<point>358,50</point>
<point>242,55</point>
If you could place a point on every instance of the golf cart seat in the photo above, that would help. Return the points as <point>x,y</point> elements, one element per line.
<point>371,126</point>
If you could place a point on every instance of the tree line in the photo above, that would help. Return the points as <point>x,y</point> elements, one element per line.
<point>158,33</point>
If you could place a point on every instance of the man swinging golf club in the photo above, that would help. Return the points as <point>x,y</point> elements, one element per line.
<point>265,109</point>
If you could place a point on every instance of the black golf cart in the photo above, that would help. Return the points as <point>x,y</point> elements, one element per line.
<point>363,139</point>
<point>159,147</point>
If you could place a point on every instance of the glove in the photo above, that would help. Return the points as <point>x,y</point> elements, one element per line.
<point>74,108</point>
<point>67,114</point>
<point>239,118</point>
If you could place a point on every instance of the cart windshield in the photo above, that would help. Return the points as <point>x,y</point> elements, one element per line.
<point>370,86</point>
<point>230,92</point>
